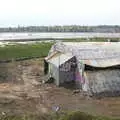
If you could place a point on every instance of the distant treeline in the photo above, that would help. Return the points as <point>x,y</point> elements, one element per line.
<point>70,28</point>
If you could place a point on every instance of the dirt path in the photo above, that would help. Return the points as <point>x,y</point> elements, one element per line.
<point>25,93</point>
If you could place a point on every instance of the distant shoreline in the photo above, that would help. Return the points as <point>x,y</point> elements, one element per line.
<point>54,36</point>
<point>64,28</point>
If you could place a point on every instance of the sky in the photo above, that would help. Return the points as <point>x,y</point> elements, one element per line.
<point>59,12</point>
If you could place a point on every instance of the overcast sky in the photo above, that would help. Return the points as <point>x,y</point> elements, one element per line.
<point>59,12</point>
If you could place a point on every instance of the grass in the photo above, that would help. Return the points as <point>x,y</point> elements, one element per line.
<point>83,116</point>
<point>22,51</point>
<point>97,39</point>
<point>64,116</point>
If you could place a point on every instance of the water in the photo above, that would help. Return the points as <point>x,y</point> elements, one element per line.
<point>11,36</point>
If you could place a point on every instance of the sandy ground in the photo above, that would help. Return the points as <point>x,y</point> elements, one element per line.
<point>22,92</point>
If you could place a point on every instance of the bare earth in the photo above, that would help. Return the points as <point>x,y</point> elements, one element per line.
<point>22,92</point>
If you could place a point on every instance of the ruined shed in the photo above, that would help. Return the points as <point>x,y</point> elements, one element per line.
<point>94,67</point>
<point>59,67</point>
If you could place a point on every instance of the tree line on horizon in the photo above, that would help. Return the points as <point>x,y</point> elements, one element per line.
<point>67,28</point>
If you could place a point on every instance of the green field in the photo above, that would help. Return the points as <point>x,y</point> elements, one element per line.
<point>97,39</point>
<point>24,51</point>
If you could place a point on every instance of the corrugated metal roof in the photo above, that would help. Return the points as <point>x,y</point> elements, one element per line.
<point>59,58</point>
<point>102,63</point>
<point>97,54</point>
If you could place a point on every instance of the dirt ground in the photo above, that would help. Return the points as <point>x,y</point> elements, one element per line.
<point>22,92</point>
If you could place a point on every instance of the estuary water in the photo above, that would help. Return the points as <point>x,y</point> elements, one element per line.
<point>18,36</point>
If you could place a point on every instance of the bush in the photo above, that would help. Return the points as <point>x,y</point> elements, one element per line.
<point>82,116</point>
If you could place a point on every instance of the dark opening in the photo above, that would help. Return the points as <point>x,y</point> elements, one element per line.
<point>91,68</point>
<point>50,80</point>
<point>45,67</point>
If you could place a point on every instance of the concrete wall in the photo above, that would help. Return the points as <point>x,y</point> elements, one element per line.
<point>54,72</point>
<point>66,76</point>
<point>67,71</point>
<point>104,82</point>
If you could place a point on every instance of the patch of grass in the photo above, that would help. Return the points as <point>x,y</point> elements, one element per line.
<point>83,116</point>
<point>27,117</point>
<point>21,51</point>
<point>66,116</point>
<point>27,50</point>
<point>96,39</point>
